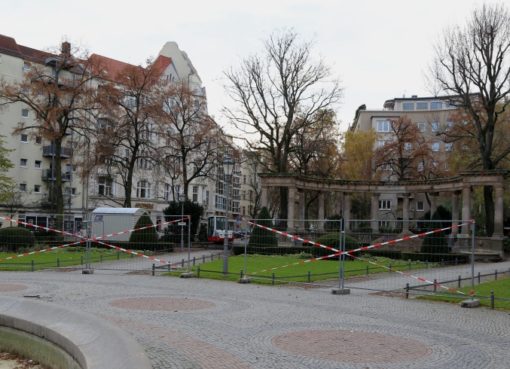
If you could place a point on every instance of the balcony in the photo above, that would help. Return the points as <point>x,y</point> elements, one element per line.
<point>49,151</point>
<point>47,176</point>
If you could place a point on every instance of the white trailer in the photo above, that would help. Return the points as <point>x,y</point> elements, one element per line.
<point>110,220</point>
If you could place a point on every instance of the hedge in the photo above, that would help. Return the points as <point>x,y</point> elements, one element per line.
<point>14,238</point>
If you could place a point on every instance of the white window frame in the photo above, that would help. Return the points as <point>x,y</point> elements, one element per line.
<point>106,184</point>
<point>37,164</point>
<point>436,146</point>
<point>420,206</point>
<point>422,127</point>
<point>143,189</point>
<point>434,126</point>
<point>384,204</point>
<point>21,160</point>
<point>37,188</point>
<point>433,103</point>
<point>23,187</point>
<point>382,125</point>
<point>448,146</point>
<point>409,104</point>
<point>23,138</point>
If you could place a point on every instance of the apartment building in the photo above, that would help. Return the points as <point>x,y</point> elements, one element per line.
<point>33,156</point>
<point>432,116</point>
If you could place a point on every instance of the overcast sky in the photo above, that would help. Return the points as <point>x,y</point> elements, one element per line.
<point>378,49</point>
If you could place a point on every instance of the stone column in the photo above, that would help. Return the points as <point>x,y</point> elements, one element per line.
<point>374,211</point>
<point>498,210</point>
<point>455,212</point>
<point>405,213</point>
<point>433,203</point>
<point>466,208</point>
<point>320,215</point>
<point>347,211</point>
<point>263,197</point>
<point>290,209</point>
<point>301,211</point>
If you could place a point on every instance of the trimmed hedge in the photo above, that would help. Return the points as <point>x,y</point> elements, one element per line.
<point>420,256</point>
<point>14,238</point>
<point>144,236</point>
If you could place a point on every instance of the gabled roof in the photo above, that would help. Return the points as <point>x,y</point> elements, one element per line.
<point>9,46</point>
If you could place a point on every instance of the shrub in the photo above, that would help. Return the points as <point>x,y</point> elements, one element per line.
<point>202,233</point>
<point>175,209</point>
<point>333,240</point>
<point>261,237</point>
<point>435,243</point>
<point>147,235</point>
<point>14,238</point>
<point>333,223</point>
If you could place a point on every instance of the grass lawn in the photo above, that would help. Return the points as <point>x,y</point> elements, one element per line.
<point>60,257</point>
<point>319,270</point>
<point>500,287</point>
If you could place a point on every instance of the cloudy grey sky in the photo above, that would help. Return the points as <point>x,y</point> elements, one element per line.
<point>378,49</point>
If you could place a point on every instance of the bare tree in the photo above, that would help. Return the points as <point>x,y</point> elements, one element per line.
<point>272,91</point>
<point>125,128</point>
<point>59,90</point>
<point>191,137</point>
<point>473,64</point>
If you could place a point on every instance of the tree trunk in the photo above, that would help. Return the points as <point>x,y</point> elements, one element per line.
<point>57,189</point>
<point>284,201</point>
<point>489,210</point>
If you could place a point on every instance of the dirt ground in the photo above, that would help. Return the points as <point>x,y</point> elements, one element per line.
<point>12,361</point>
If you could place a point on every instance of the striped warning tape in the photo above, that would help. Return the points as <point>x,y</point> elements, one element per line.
<point>84,239</point>
<point>364,248</point>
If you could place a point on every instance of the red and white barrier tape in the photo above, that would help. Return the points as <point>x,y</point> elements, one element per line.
<point>84,239</point>
<point>364,248</point>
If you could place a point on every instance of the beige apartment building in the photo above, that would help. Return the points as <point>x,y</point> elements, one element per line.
<point>432,116</point>
<point>33,157</point>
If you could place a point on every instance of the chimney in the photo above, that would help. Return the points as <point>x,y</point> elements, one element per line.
<point>414,96</point>
<point>65,49</point>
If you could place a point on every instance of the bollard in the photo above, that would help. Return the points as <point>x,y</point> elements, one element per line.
<point>407,290</point>
<point>272,278</point>
<point>33,266</point>
<point>435,285</point>
<point>309,277</point>
<point>492,299</point>
<point>153,270</point>
<point>58,263</point>
<point>479,277</point>
<point>193,261</point>
<point>203,259</point>
<point>459,281</point>
<point>198,271</point>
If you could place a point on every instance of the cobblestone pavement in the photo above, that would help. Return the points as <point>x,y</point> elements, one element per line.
<point>233,326</point>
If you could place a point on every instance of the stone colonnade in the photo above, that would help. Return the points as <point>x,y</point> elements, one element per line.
<point>459,188</point>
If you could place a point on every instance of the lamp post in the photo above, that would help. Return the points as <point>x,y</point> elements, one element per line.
<point>182,198</point>
<point>182,223</point>
<point>228,167</point>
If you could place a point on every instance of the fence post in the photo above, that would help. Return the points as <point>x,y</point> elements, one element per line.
<point>198,271</point>
<point>479,277</point>
<point>203,259</point>
<point>194,261</point>
<point>435,285</point>
<point>33,266</point>
<point>58,262</point>
<point>368,266</point>
<point>309,277</point>
<point>459,282</point>
<point>496,275</point>
<point>272,278</point>
<point>407,290</point>
<point>182,263</point>
<point>153,270</point>
<point>492,299</point>
<point>241,274</point>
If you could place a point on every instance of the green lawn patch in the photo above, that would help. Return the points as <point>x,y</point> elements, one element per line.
<point>70,256</point>
<point>500,287</point>
<point>296,270</point>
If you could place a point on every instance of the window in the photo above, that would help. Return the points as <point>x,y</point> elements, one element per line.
<point>420,167</point>
<point>70,191</point>
<point>449,126</point>
<point>23,162</point>
<point>24,138</point>
<point>244,210</point>
<point>104,187</point>
<point>380,143</point>
<point>383,125</point>
<point>195,193</point>
<point>38,140</point>
<point>244,179</point>
<point>167,189</point>
<point>23,187</point>
<point>436,105</point>
<point>384,204</point>
<point>419,206</point>
<point>435,126</point>
<point>143,189</point>
<point>422,105</point>
<point>37,188</point>
<point>422,127</point>
<point>448,146</point>
<point>26,66</point>
<point>37,164</point>
<point>435,146</point>
<point>408,106</point>
<point>24,113</point>
<point>219,188</point>
<point>408,146</point>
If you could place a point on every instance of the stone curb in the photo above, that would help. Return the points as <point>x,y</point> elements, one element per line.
<point>93,343</point>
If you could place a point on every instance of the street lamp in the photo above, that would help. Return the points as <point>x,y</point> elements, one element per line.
<point>228,167</point>
<point>182,198</point>
<point>182,223</point>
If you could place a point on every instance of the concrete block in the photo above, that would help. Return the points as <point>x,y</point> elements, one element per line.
<point>471,303</point>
